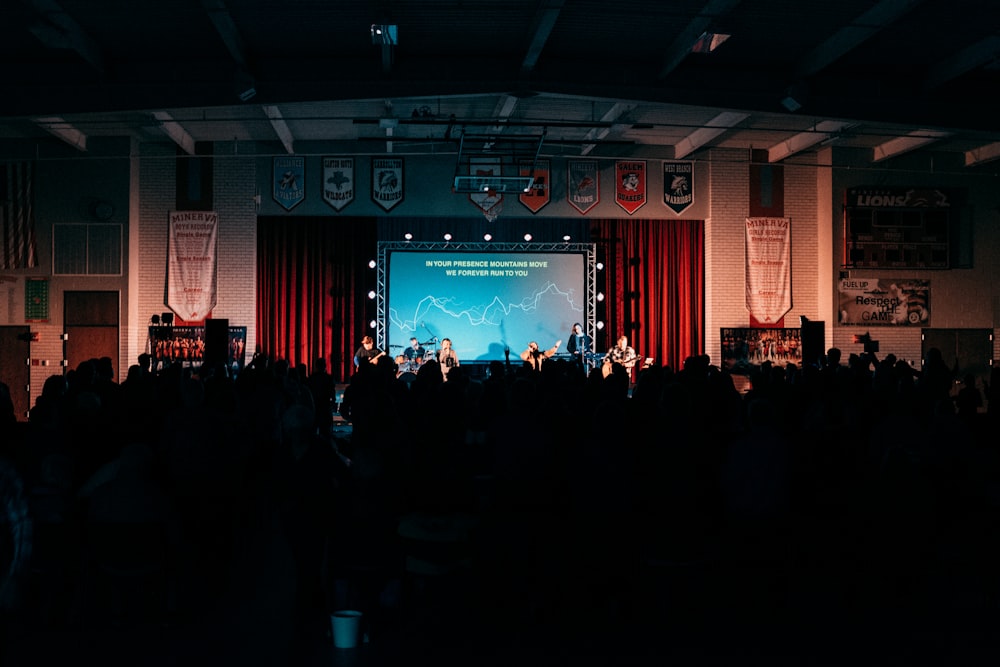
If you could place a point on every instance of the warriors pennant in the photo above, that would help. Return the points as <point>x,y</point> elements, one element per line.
<point>678,185</point>
<point>387,182</point>
<point>630,188</point>
<point>289,181</point>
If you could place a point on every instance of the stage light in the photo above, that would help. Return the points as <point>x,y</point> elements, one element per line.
<point>600,325</point>
<point>527,237</point>
<point>372,264</point>
<point>408,236</point>
<point>155,319</point>
<point>600,296</point>
<point>372,324</point>
<point>487,237</point>
<point>566,238</point>
<point>371,294</point>
<point>600,266</point>
<point>447,237</point>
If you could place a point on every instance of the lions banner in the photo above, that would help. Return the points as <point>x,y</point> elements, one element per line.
<point>768,268</point>
<point>583,184</point>
<point>338,181</point>
<point>884,302</point>
<point>192,240</point>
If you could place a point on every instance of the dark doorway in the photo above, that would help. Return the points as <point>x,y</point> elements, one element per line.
<point>15,372</point>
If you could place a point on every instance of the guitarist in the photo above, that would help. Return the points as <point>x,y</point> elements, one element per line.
<point>367,354</point>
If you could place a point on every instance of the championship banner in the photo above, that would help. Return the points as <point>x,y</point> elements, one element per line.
<point>539,194</point>
<point>678,185</point>
<point>490,203</point>
<point>289,178</point>
<point>630,186</point>
<point>884,302</point>
<point>387,182</point>
<point>192,239</point>
<point>583,189</point>
<point>768,268</point>
<point>338,181</point>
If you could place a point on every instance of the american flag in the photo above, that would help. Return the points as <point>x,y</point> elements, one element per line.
<point>17,217</point>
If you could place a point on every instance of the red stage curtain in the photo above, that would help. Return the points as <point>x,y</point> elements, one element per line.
<point>654,286</point>
<point>312,282</point>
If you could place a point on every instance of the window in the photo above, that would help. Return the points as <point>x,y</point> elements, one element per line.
<point>87,249</point>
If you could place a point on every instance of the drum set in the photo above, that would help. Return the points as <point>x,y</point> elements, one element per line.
<point>409,363</point>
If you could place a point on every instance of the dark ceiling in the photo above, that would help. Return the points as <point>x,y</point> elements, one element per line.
<point>591,76</point>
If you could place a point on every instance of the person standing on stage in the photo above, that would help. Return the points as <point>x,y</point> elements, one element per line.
<point>534,357</point>
<point>367,353</point>
<point>622,354</point>
<point>579,344</point>
<point>447,357</point>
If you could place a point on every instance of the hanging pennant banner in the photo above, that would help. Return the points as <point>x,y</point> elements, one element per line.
<point>630,188</point>
<point>192,239</point>
<point>583,190</point>
<point>338,181</point>
<point>387,182</point>
<point>538,196</point>
<point>491,201</point>
<point>768,268</point>
<point>289,177</point>
<point>678,185</point>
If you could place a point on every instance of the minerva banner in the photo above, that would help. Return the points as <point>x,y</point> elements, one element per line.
<point>191,256</point>
<point>884,302</point>
<point>768,268</point>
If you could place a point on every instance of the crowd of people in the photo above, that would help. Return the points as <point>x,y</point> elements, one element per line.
<point>860,482</point>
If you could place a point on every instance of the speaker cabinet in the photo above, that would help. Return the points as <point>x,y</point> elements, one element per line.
<point>813,340</point>
<point>216,341</point>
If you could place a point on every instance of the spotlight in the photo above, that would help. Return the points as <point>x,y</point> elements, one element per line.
<point>372,264</point>
<point>447,237</point>
<point>600,325</point>
<point>487,236</point>
<point>566,238</point>
<point>372,324</point>
<point>371,294</point>
<point>600,296</point>
<point>155,319</point>
<point>408,236</point>
<point>167,318</point>
<point>386,34</point>
<point>527,237</point>
<point>600,266</point>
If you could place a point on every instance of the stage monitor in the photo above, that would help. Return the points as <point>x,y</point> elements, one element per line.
<point>484,297</point>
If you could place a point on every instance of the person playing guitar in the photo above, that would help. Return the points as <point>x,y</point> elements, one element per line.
<point>367,353</point>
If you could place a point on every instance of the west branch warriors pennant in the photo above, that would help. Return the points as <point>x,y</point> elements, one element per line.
<point>678,185</point>
<point>387,181</point>
<point>630,185</point>
<point>583,185</point>
<point>338,181</point>
<point>539,194</point>
<point>289,178</point>
<point>484,168</point>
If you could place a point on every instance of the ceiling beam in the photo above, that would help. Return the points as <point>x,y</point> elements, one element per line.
<point>220,17</point>
<point>681,46</point>
<point>281,128</point>
<point>907,143</point>
<point>712,129</point>
<point>981,53</point>
<point>174,130</point>
<point>544,21</point>
<point>598,133</point>
<point>61,31</point>
<point>59,127</point>
<point>822,131</point>
<point>864,27</point>
<point>982,154</point>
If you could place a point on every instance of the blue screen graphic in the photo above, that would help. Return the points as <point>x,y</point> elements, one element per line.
<point>484,301</point>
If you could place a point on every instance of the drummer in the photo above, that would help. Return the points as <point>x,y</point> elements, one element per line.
<point>414,355</point>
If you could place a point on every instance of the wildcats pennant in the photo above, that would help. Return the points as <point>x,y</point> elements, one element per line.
<point>387,181</point>
<point>338,181</point>
<point>289,176</point>
<point>583,185</point>
<point>538,195</point>
<point>630,188</point>
<point>678,185</point>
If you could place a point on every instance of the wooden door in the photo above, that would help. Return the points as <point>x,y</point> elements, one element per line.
<point>15,351</point>
<point>91,325</point>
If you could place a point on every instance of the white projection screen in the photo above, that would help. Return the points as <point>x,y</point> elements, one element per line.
<point>484,297</point>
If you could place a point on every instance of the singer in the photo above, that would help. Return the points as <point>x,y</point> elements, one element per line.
<point>533,357</point>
